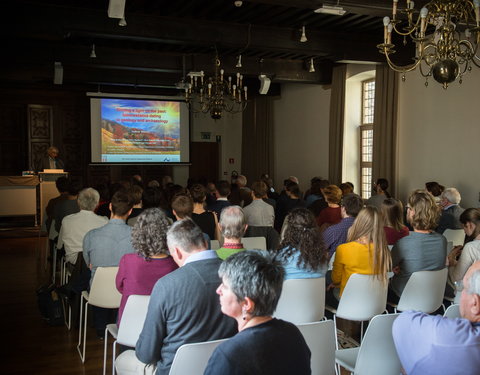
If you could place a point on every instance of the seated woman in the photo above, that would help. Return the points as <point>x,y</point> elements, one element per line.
<point>381,193</point>
<point>366,251</point>
<point>392,213</point>
<point>233,226</point>
<point>423,249</point>
<point>302,250</point>
<point>435,189</point>
<point>331,214</point>
<point>138,272</point>
<point>206,220</point>
<point>462,257</point>
<point>251,287</point>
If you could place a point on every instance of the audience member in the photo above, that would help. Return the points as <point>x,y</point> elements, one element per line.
<point>302,250</point>
<point>68,205</point>
<point>381,193</point>
<point>392,213</point>
<point>75,226</point>
<point>259,213</point>
<point>435,189</point>
<point>211,193</point>
<point>346,188</point>
<point>315,193</point>
<point>249,293</point>
<point>432,344</point>
<point>206,220</point>
<point>136,192</point>
<point>153,197</point>
<point>272,194</point>
<point>222,191</point>
<point>462,257</point>
<point>366,252</point>
<point>138,272</point>
<point>423,249</point>
<point>183,306</point>
<point>103,209</point>
<point>240,193</point>
<point>285,205</point>
<point>318,205</point>
<point>336,234</point>
<point>62,187</point>
<point>153,184</point>
<point>232,226</point>
<point>451,210</point>
<point>330,215</point>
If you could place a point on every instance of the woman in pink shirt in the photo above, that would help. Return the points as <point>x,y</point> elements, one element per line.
<point>138,272</point>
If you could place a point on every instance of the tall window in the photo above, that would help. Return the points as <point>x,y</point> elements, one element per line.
<point>366,137</point>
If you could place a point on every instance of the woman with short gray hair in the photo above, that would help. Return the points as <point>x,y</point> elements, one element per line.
<point>251,286</point>
<point>138,272</point>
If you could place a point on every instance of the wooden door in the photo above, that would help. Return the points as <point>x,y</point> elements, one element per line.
<point>204,158</point>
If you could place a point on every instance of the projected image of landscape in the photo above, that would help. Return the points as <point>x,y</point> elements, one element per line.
<point>140,130</point>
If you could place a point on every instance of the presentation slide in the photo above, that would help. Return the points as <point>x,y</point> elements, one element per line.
<point>128,130</point>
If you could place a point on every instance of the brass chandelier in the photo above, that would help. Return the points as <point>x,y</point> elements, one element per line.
<point>446,54</point>
<point>216,94</point>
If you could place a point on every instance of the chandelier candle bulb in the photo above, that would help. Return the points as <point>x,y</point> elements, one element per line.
<point>389,33</point>
<point>221,74</point>
<point>476,3</point>
<point>201,77</point>
<point>386,22</point>
<point>423,21</point>
<point>245,89</point>
<point>209,89</point>
<point>238,79</point>
<point>394,10</point>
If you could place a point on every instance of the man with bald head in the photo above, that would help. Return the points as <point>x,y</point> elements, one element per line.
<point>428,344</point>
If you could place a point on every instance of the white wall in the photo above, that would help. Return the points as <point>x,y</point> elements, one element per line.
<point>229,128</point>
<point>301,121</point>
<point>439,135</point>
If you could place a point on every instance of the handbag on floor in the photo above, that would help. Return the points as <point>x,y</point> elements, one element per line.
<point>50,305</point>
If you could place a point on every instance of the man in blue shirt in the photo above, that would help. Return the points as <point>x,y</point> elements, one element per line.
<point>429,344</point>
<point>336,234</point>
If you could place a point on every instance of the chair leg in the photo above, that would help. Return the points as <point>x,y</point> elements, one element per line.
<point>114,353</point>
<point>80,328</point>
<point>361,332</point>
<point>82,352</point>
<point>54,264</point>
<point>337,366</point>
<point>105,352</point>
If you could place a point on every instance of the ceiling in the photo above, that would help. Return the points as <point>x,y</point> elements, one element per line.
<point>165,39</point>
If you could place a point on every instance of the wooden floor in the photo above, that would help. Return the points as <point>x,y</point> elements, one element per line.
<point>30,346</point>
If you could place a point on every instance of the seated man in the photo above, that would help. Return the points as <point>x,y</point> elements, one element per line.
<point>75,227</point>
<point>233,226</point>
<point>259,213</point>
<point>222,191</point>
<point>428,344</point>
<point>68,205</point>
<point>105,246</point>
<point>183,306</point>
<point>62,186</point>
<point>337,234</point>
<point>451,210</point>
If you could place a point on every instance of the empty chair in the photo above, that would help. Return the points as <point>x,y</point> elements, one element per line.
<point>320,338</point>
<point>377,354</point>
<point>103,293</point>
<point>364,297</point>
<point>452,312</point>
<point>251,243</point>
<point>302,300</point>
<point>424,291</point>
<point>456,236</point>
<point>131,326</point>
<point>214,245</point>
<point>192,359</point>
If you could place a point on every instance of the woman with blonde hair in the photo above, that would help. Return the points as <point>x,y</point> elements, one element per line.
<point>392,213</point>
<point>366,251</point>
<point>423,249</point>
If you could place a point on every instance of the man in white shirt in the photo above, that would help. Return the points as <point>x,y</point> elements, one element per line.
<point>259,213</point>
<point>75,226</point>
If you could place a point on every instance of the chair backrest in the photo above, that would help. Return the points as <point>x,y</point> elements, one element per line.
<point>192,359</point>
<point>424,291</point>
<point>320,338</point>
<point>214,245</point>
<point>251,243</point>
<point>453,311</point>
<point>103,292</point>
<point>302,300</point>
<point>456,236</point>
<point>364,297</point>
<point>133,318</point>
<point>377,354</point>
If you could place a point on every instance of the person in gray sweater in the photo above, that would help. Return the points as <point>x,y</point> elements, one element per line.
<point>183,306</point>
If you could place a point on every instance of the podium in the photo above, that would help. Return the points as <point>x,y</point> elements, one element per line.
<point>48,190</point>
<point>18,196</point>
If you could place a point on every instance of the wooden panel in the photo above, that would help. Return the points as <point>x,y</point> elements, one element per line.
<point>204,157</point>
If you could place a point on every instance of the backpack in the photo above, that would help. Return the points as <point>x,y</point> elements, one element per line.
<point>50,305</point>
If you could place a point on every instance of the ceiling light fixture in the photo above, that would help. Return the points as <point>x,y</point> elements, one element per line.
<point>311,69</point>
<point>93,55</point>
<point>122,22</point>
<point>239,62</point>
<point>303,38</point>
<point>335,10</point>
<point>442,54</point>
<point>216,94</point>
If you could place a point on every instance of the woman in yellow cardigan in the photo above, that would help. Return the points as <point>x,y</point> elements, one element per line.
<point>366,251</point>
